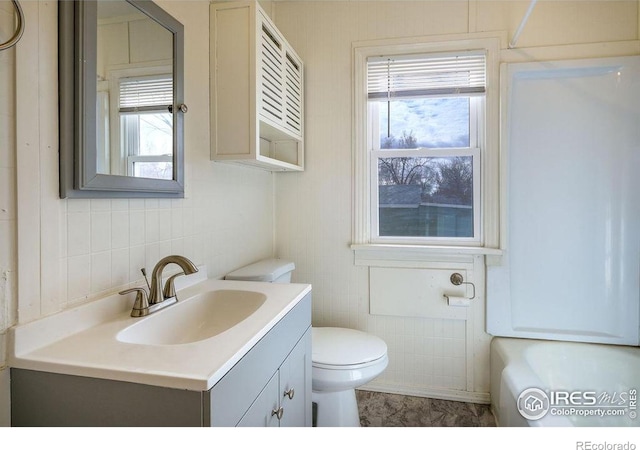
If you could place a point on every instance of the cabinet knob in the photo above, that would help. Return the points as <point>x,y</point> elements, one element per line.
<point>290,393</point>
<point>181,108</point>
<point>278,412</point>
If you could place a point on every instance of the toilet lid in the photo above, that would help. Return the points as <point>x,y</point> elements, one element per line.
<point>344,347</point>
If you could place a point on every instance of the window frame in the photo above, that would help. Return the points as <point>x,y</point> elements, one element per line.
<point>366,245</point>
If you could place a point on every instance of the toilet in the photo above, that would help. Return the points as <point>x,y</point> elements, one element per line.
<point>342,359</point>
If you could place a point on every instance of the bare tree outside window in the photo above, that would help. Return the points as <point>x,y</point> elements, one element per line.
<point>406,170</point>
<point>449,179</point>
<point>455,180</point>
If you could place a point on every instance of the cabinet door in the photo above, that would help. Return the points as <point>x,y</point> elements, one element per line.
<point>271,73</point>
<point>264,410</point>
<point>280,79</point>
<point>293,93</point>
<point>295,385</point>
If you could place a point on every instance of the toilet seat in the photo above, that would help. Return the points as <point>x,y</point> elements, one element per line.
<point>345,349</point>
<point>347,367</point>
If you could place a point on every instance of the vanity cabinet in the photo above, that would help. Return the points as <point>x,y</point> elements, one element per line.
<point>257,97</point>
<point>269,386</point>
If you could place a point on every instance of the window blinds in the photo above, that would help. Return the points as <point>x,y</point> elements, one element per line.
<point>139,94</point>
<point>406,76</point>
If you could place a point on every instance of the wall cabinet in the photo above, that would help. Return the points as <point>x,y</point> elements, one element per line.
<point>269,386</point>
<point>257,90</point>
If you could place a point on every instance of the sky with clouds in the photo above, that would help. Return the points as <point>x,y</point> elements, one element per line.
<point>435,122</point>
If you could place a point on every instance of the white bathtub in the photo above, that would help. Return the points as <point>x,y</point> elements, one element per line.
<point>585,384</point>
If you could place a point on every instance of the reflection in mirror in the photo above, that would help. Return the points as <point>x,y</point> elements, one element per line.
<point>134,129</point>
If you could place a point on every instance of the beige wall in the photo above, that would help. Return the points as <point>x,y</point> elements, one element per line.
<point>428,356</point>
<point>72,251</point>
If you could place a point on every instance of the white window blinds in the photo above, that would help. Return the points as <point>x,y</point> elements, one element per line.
<point>406,76</point>
<point>139,94</point>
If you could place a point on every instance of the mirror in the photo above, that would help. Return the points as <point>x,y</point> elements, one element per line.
<point>121,110</point>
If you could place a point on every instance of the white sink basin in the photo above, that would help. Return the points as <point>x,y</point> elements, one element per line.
<point>200,317</point>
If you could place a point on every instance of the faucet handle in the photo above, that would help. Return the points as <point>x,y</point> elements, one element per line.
<point>141,305</point>
<point>169,287</point>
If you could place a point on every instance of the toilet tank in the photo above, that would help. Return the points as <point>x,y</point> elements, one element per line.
<point>271,270</point>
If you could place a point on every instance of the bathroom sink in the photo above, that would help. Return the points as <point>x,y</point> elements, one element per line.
<point>200,317</point>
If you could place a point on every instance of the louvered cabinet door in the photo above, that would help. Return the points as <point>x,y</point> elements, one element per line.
<point>280,82</point>
<point>272,69</point>
<point>293,93</point>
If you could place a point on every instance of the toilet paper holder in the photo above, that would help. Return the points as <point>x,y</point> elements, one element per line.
<point>457,279</point>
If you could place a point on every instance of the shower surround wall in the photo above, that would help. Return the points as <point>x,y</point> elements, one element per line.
<point>427,356</point>
<point>72,251</point>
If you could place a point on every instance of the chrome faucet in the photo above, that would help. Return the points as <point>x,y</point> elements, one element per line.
<point>158,297</point>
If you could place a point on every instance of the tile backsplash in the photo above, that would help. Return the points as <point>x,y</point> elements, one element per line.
<point>105,243</point>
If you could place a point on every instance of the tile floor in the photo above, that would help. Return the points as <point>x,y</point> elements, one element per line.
<point>393,410</point>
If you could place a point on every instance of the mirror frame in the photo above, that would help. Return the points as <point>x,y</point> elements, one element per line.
<point>77,72</point>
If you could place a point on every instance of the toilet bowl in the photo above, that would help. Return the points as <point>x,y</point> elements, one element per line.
<point>342,359</point>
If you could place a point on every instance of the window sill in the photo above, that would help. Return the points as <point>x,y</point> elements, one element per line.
<point>411,255</point>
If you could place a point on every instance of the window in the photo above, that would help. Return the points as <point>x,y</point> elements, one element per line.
<point>146,125</point>
<point>421,146</point>
<point>425,117</point>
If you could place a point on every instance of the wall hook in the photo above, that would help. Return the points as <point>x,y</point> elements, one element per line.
<point>457,280</point>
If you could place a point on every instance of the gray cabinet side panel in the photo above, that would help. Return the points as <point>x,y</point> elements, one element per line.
<point>49,400</point>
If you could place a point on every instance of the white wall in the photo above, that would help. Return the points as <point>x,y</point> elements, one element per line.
<point>7,199</point>
<point>72,251</point>
<point>428,356</point>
